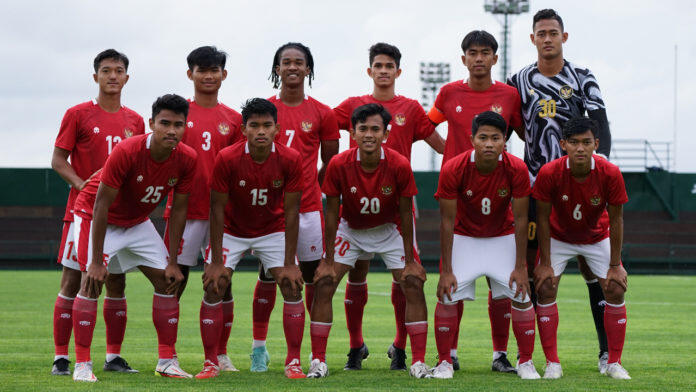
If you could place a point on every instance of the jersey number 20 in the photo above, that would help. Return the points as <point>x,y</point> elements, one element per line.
<point>369,205</point>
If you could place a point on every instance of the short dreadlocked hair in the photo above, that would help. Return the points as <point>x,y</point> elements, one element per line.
<point>275,78</point>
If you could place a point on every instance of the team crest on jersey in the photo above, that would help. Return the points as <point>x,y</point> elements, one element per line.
<point>140,178</point>
<point>95,130</point>
<point>242,183</point>
<point>127,133</point>
<point>564,198</point>
<point>277,183</point>
<point>595,200</point>
<point>502,192</point>
<point>497,108</point>
<point>386,190</point>
<point>224,129</point>
<point>400,119</point>
<point>306,126</point>
<point>189,124</point>
<point>353,189</point>
<point>172,181</point>
<point>469,193</point>
<point>458,109</point>
<point>565,91</point>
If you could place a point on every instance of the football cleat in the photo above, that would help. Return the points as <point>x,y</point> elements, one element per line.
<point>225,364</point>
<point>118,364</point>
<point>443,370</point>
<point>398,358</point>
<point>61,367</point>
<point>210,370</point>
<point>259,359</point>
<point>420,370</point>
<point>553,371</point>
<point>527,371</point>
<point>501,364</point>
<point>83,372</point>
<point>355,358</point>
<point>602,363</point>
<point>294,369</point>
<point>170,368</point>
<point>615,370</point>
<point>317,369</point>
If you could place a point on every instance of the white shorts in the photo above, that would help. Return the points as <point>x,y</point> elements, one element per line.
<point>310,238</point>
<point>416,250</point>
<point>68,248</point>
<point>384,240</point>
<point>135,246</point>
<point>473,257</point>
<point>597,255</point>
<point>195,239</point>
<point>270,249</point>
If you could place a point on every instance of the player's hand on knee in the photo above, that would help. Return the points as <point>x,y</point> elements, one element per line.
<point>542,274</point>
<point>173,277</point>
<point>325,270</point>
<point>446,286</point>
<point>415,270</point>
<point>293,276</point>
<point>520,278</point>
<point>215,278</point>
<point>96,275</point>
<point>617,275</point>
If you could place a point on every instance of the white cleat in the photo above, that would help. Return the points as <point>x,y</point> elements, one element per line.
<point>83,372</point>
<point>226,364</point>
<point>615,370</point>
<point>170,368</point>
<point>317,369</point>
<point>602,363</point>
<point>527,371</point>
<point>443,370</point>
<point>553,371</point>
<point>420,370</point>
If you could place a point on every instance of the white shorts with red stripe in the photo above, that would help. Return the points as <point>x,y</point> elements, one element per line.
<point>270,249</point>
<point>194,240</point>
<point>310,238</point>
<point>596,255</point>
<point>67,253</point>
<point>384,240</point>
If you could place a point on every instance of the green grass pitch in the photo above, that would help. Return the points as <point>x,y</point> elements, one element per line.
<point>660,351</point>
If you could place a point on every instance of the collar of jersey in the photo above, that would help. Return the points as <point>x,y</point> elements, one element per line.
<point>357,152</point>
<point>246,147</point>
<point>306,97</point>
<point>473,154</point>
<point>592,163</point>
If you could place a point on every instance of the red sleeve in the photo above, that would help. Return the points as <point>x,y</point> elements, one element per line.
<point>219,181</point>
<point>329,126</point>
<point>186,175</point>
<point>436,113</point>
<point>616,186</point>
<point>407,183</point>
<point>516,116</point>
<point>448,183</point>
<point>293,180</point>
<point>67,135</point>
<point>424,127</point>
<point>116,167</point>
<point>543,185</point>
<point>332,184</point>
<point>520,180</point>
<point>342,113</point>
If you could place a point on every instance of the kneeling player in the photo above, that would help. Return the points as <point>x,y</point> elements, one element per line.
<point>376,186</point>
<point>255,200</point>
<point>138,174</point>
<point>573,196</point>
<point>475,191</point>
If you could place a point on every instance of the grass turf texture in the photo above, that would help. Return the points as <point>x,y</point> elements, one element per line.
<point>659,353</point>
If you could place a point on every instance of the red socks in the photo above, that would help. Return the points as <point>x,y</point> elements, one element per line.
<point>356,298</point>
<point>84,318</point>
<point>615,325</point>
<point>523,327</point>
<point>293,326</point>
<point>115,318</point>
<point>309,296</point>
<point>165,316</point>
<point>547,319</point>
<point>460,313</point>
<point>62,324</point>
<point>227,319</point>
<point>418,333</point>
<point>445,322</point>
<point>320,334</point>
<point>499,314</point>
<point>264,301</point>
<point>211,329</point>
<point>399,301</point>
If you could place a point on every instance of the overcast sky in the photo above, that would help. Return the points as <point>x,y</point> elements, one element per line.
<point>47,49</point>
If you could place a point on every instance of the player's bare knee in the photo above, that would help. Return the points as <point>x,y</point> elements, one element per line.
<point>413,287</point>
<point>546,293</point>
<point>287,292</point>
<point>70,282</point>
<point>115,285</point>
<point>614,293</point>
<point>359,273</point>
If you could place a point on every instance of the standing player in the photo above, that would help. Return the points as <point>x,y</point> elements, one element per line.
<point>375,186</point>
<point>135,178</point>
<point>482,236</point>
<point>305,125</point>
<point>88,134</point>
<point>408,125</point>
<point>211,126</point>
<point>255,198</point>
<point>554,90</point>
<point>580,201</point>
<point>457,103</point>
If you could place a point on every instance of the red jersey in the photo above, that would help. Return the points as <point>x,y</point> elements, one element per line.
<point>303,128</point>
<point>90,134</point>
<point>483,200</point>
<point>141,182</point>
<point>408,125</point>
<point>208,130</point>
<point>369,199</point>
<point>458,104</point>
<point>256,190</point>
<point>579,209</point>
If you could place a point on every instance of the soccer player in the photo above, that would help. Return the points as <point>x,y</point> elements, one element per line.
<point>457,103</point>
<point>305,125</point>
<point>554,90</point>
<point>135,178</point>
<point>408,125</point>
<point>88,134</point>
<point>481,235</point>
<point>580,201</point>
<point>210,127</point>
<point>375,186</point>
<point>255,200</point>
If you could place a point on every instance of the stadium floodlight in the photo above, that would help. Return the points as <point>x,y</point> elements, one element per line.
<point>505,8</point>
<point>432,77</point>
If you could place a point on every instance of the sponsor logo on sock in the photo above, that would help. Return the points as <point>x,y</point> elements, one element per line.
<point>85,323</point>
<point>121,313</point>
<point>207,321</point>
<point>507,315</point>
<point>172,320</point>
<point>65,315</point>
<point>544,319</point>
<point>228,324</point>
<point>348,301</point>
<point>529,332</point>
<point>262,300</point>
<point>295,315</point>
<point>622,321</point>
<point>443,329</point>
<point>602,303</point>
